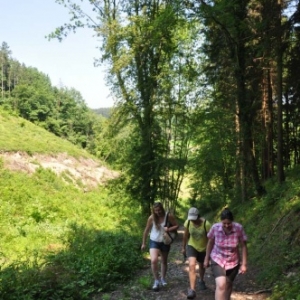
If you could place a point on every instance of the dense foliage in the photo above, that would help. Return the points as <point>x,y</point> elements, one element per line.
<point>274,235</point>
<point>200,80</point>
<point>27,92</point>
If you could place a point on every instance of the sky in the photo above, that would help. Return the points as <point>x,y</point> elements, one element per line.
<point>70,63</point>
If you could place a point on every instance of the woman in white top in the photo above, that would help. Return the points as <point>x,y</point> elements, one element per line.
<point>156,223</point>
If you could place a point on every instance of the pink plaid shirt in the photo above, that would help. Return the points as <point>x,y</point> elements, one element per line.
<point>225,251</point>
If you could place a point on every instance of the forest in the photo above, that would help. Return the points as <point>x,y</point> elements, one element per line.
<point>207,97</point>
<point>212,81</point>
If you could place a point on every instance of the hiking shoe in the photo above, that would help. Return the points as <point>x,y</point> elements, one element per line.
<point>163,282</point>
<point>202,285</point>
<point>191,294</point>
<point>155,286</point>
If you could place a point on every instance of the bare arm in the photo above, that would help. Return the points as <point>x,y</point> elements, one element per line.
<point>243,267</point>
<point>209,247</point>
<point>174,223</point>
<point>146,232</point>
<point>185,240</point>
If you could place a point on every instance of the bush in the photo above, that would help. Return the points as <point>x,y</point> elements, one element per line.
<point>288,289</point>
<point>93,261</point>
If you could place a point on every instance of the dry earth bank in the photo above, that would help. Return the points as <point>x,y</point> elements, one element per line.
<point>86,170</point>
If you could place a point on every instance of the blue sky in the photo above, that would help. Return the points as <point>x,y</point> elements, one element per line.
<point>24,25</point>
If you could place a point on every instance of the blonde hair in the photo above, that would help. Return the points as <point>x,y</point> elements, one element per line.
<point>154,215</point>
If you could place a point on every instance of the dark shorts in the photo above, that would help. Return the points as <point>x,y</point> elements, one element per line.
<point>159,245</point>
<point>192,252</point>
<point>218,271</point>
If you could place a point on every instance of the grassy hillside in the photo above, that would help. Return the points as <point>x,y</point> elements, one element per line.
<point>272,223</point>
<point>272,226</point>
<point>17,134</point>
<point>58,241</point>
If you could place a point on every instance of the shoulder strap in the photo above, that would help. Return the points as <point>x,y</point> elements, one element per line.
<point>188,228</point>
<point>166,218</point>
<point>204,225</point>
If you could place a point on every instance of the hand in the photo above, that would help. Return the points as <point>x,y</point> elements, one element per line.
<point>143,247</point>
<point>243,269</point>
<point>166,229</point>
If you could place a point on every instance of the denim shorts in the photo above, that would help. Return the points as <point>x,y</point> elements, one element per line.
<point>159,245</point>
<point>218,271</point>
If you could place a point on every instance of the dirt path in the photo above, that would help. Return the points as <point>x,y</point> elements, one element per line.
<point>177,277</point>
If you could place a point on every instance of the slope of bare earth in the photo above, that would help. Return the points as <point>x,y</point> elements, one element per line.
<point>86,170</point>
<point>245,287</point>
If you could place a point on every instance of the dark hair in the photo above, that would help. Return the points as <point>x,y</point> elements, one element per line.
<point>226,214</point>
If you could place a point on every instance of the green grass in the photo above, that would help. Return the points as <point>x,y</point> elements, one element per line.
<point>272,226</point>
<point>57,241</point>
<point>17,134</point>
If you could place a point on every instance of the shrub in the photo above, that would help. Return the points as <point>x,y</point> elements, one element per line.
<point>93,261</point>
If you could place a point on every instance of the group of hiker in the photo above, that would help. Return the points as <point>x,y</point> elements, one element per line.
<point>214,245</point>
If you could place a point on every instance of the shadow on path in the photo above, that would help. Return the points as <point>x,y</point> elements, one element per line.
<point>178,283</point>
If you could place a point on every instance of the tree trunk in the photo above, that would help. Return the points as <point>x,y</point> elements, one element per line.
<point>280,169</point>
<point>267,125</point>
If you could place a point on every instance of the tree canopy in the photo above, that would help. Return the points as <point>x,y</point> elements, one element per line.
<point>205,89</point>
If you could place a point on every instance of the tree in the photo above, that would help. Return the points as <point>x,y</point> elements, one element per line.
<point>4,63</point>
<point>228,46</point>
<point>140,43</point>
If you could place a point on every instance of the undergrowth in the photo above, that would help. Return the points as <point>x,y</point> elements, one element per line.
<point>58,242</point>
<point>272,226</point>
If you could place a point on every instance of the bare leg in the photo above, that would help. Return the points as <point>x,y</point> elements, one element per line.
<point>201,271</point>
<point>164,264</point>
<point>154,253</point>
<point>228,289</point>
<point>221,284</point>
<point>192,272</point>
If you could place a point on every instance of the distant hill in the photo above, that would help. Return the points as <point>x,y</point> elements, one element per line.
<point>104,111</point>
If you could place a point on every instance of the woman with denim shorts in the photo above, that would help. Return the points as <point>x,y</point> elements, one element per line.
<point>224,239</point>
<point>156,226</point>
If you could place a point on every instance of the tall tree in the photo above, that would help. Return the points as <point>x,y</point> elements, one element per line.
<point>4,64</point>
<point>228,45</point>
<point>279,61</point>
<point>140,42</point>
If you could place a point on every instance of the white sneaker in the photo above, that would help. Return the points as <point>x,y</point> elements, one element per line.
<point>163,282</point>
<point>155,286</point>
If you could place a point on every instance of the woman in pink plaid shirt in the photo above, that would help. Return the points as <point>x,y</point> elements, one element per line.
<point>224,239</point>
